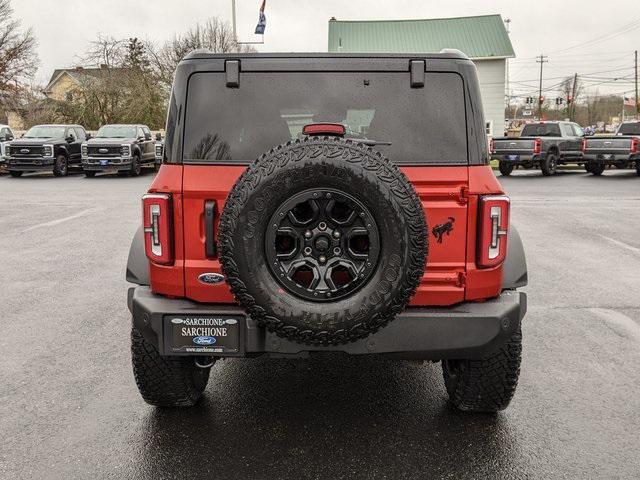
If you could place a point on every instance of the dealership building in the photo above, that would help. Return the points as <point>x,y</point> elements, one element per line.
<point>483,39</point>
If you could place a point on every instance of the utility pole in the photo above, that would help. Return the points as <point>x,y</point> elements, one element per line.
<point>637,99</point>
<point>542,59</point>
<point>572,110</point>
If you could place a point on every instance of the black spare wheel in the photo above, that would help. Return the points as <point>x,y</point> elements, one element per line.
<point>323,240</point>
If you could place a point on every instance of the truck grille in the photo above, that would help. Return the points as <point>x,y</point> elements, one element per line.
<point>26,151</point>
<point>106,151</point>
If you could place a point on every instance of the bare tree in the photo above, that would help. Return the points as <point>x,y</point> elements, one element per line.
<point>18,57</point>
<point>214,35</point>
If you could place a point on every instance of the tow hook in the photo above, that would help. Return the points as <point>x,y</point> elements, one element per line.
<point>204,362</point>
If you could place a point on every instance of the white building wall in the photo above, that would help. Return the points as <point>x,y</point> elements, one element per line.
<point>492,75</point>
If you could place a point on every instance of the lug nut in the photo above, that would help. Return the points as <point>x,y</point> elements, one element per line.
<point>322,259</point>
<point>336,234</point>
<point>322,226</point>
<point>337,251</point>
<point>308,234</point>
<point>307,251</point>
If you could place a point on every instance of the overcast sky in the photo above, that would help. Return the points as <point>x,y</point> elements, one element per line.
<point>579,36</point>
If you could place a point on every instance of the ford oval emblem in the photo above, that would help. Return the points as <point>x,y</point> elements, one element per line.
<point>104,150</point>
<point>211,278</point>
<point>25,150</point>
<point>204,340</point>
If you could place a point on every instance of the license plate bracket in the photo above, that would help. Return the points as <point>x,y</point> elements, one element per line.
<point>513,158</point>
<point>198,334</point>
<point>104,163</point>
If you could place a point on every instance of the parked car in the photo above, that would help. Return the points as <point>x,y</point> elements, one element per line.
<point>370,223</point>
<point>542,144</point>
<point>621,150</point>
<point>46,148</point>
<point>124,149</point>
<point>6,135</point>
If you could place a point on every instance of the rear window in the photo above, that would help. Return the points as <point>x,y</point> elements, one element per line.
<point>236,125</point>
<point>629,129</point>
<point>541,130</point>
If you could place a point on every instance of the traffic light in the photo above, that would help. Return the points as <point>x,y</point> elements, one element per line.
<point>541,99</point>
<point>559,100</point>
<point>569,99</point>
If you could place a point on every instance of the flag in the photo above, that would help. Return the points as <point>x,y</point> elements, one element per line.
<point>262,21</point>
<point>629,102</point>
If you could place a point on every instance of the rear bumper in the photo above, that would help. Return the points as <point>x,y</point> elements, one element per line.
<point>468,330</point>
<point>611,158</point>
<point>524,158</point>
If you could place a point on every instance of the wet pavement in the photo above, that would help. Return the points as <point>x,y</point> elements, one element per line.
<point>69,407</point>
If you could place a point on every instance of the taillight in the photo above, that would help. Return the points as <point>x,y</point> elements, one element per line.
<point>635,145</point>
<point>584,145</point>
<point>537,145</point>
<point>493,227</point>
<point>158,233</point>
<point>491,149</point>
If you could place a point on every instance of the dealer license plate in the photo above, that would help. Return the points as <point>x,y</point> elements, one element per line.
<point>104,163</point>
<point>203,334</point>
<point>607,157</point>
<point>513,157</point>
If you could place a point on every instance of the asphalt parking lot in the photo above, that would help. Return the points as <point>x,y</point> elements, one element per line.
<point>69,407</point>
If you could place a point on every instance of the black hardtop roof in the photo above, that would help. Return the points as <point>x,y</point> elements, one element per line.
<point>206,55</point>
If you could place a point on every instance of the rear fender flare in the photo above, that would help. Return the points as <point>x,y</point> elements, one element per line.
<point>515,266</point>
<point>138,264</point>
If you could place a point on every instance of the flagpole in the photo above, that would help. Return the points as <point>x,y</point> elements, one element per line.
<point>235,33</point>
<point>233,19</point>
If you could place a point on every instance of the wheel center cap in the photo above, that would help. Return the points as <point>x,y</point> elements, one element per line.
<point>322,244</point>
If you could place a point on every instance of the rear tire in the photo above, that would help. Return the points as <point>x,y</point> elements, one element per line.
<point>587,167</point>
<point>549,164</point>
<point>61,166</point>
<point>16,174</point>
<point>165,381</point>
<point>505,168</point>
<point>485,385</point>
<point>596,168</point>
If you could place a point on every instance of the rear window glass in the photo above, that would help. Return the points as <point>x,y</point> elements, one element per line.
<point>629,129</point>
<point>423,125</point>
<point>541,130</point>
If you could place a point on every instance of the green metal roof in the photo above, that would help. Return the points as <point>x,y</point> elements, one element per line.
<point>478,37</point>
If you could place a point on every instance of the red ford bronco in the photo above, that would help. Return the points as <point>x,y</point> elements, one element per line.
<point>326,203</point>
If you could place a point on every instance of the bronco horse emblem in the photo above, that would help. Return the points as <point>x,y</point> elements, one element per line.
<point>439,230</point>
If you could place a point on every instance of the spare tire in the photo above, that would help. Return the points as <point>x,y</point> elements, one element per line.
<point>323,241</point>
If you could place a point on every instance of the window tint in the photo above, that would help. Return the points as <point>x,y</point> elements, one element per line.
<point>71,133</point>
<point>424,125</point>
<point>541,130</point>
<point>629,129</point>
<point>81,134</point>
<point>577,130</point>
<point>566,129</point>
<point>146,130</point>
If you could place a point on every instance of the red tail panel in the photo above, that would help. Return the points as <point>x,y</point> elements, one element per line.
<point>449,196</point>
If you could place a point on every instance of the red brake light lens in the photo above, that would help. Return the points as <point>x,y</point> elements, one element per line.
<point>158,232</point>
<point>324,129</point>
<point>635,144</point>
<point>493,228</point>
<point>537,145</point>
<point>584,145</point>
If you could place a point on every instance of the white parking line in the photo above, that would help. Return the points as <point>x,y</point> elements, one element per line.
<point>65,219</point>
<point>626,246</point>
